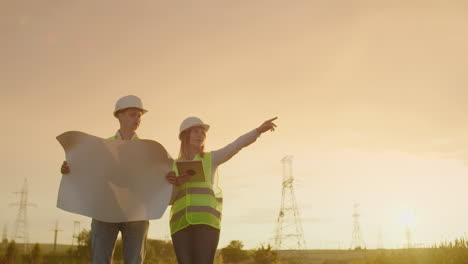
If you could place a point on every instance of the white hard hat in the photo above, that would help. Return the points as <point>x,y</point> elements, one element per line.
<point>190,122</point>
<point>129,101</point>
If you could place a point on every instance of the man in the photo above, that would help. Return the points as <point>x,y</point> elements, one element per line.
<point>128,110</point>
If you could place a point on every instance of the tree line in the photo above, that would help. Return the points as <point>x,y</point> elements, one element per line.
<point>158,252</point>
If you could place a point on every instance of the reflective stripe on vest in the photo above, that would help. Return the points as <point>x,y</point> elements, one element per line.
<point>196,202</point>
<point>193,208</point>
<point>196,190</point>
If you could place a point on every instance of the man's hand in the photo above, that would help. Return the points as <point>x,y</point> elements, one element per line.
<point>171,177</point>
<point>65,169</point>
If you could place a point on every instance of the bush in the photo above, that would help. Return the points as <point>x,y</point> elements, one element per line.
<point>233,252</point>
<point>265,255</point>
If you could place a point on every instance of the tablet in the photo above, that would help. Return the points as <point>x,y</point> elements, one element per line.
<point>192,167</point>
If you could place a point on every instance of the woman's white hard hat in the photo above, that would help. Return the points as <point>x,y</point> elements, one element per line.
<point>190,122</point>
<point>129,101</point>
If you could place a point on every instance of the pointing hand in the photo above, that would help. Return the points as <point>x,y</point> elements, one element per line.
<point>267,125</point>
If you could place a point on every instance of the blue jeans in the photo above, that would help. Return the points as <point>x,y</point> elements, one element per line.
<point>196,244</point>
<point>104,235</point>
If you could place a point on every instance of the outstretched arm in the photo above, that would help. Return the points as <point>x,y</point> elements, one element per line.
<point>222,155</point>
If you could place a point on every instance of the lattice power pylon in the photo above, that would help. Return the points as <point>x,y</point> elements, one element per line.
<point>56,230</point>
<point>76,233</point>
<point>380,239</point>
<point>409,242</point>
<point>21,231</point>
<point>5,236</point>
<point>357,242</point>
<point>289,233</point>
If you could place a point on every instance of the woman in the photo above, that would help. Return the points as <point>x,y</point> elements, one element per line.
<point>195,217</point>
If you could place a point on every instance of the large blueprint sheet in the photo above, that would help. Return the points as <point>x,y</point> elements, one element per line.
<point>114,180</point>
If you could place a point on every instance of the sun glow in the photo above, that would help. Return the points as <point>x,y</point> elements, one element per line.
<point>407,219</point>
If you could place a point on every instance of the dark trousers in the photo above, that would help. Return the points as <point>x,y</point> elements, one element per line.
<point>104,235</point>
<point>196,244</point>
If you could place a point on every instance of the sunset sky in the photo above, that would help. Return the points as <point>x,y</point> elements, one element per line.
<point>370,98</point>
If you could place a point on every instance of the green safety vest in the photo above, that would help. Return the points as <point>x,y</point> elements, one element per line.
<point>196,202</point>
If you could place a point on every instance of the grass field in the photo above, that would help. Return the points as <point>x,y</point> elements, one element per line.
<point>161,252</point>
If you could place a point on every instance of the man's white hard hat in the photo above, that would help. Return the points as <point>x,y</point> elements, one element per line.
<point>190,122</point>
<point>129,101</point>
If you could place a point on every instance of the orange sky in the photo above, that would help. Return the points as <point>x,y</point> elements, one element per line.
<point>371,100</point>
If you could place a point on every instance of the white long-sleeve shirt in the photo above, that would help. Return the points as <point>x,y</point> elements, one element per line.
<point>222,155</point>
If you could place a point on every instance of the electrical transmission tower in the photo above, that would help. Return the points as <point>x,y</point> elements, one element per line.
<point>357,241</point>
<point>289,234</point>
<point>409,242</point>
<point>56,230</point>
<point>21,231</point>
<point>5,236</point>
<point>76,233</point>
<point>380,239</point>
